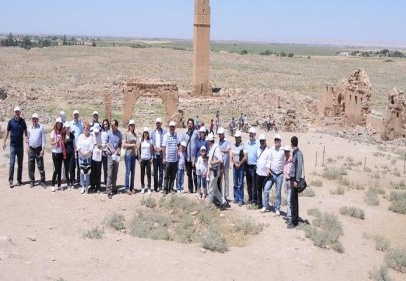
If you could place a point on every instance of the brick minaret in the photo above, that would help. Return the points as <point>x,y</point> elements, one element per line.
<point>201,49</point>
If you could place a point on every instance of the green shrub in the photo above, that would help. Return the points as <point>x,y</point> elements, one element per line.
<point>213,241</point>
<point>248,226</point>
<point>352,212</point>
<point>380,274</point>
<point>115,221</point>
<point>93,233</point>
<point>396,259</point>
<point>381,243</point>
<point>398,202</point>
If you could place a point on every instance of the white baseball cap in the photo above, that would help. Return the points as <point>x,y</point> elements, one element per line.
<point>237,134</point>
<point>58,120</point>
<point>95,112</point>
<point>96,129</point>
<point>262,137</point>
<point>183,143</point>
<point>75,112</point>
<point>132,122</point>
<point>172,123</point>
<point>277,136</point>
<point>252,130</point>
<point>67,124</point>
<point>287,148</point>
<point>158,120</point>
<point>202,129</point>
<point>17,108</point>
<point>146,129</point>
<point>210,137</point>
<point>35,115</point>
<point>203,148</point>
<point>220,131</point>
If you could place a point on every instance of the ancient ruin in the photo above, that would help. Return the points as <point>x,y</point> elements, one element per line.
<point>134,88</point>
<point>349,99</point>
<point>201,49</point>
<point>394,124</point>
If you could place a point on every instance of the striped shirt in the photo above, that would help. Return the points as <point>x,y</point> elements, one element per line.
<point>170,144</point>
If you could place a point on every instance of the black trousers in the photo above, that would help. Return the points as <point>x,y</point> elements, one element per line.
<point>104,161</point>
<point>191,176</point>
<point>34,155</point>
<point>170,175</point>
<point>260,188</point>
<point>294,204</point>
<point>158,172</point>
<point>145,166</point>
<point>57,158</point>
<point>69,163</point>
<point>251,176</point>
<point>95,175</point>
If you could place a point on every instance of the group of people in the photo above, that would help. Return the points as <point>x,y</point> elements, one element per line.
<point>81,150</point>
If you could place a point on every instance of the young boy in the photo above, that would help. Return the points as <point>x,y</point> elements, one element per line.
<point>201,173</point>
<point>181,166</point>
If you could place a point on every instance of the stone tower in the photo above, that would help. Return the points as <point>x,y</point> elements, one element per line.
<point>201,49</point>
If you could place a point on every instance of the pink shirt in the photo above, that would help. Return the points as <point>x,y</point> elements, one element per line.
<point>286,169</point>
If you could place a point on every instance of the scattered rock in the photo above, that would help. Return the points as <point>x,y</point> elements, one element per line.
<point>170,212</point>
<point>203,250</point>
<point>119,239</point>
<point>32,238</point>
<point>194,213</point>
<point>222,216</point>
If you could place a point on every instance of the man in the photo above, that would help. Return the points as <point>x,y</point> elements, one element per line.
<point>251,174</point>
<point>170,157</point>
<point>274,166</point>
<point>16,128</point>
<point>189,138</point>
<point>196,122</point>
<point>239,159</point>
<point>95,174</point>
<point>224,146</point>
<point>217,121</point>
<point>262,154</point>
<point>114,141</point>
<point>240,122</point>
<point>215,158</point>
<point>35,150</point>
<point>295,176</point>
<point>232,126</point>
<point>157,136</point>
<point>76,127</point>
<point>95,122</point>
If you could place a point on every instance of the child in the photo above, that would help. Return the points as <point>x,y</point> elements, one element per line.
<point>181,166</point>
<point>201,173</point>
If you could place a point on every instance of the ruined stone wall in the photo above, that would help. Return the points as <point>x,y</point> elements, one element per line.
<point>394,123</point>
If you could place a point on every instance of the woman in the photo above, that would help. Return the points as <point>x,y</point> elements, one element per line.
<point>85,146</point>
<point>68,141</point>
<point>130,144</point>
<point>105,129</point>
<point>57,153</point>
<point>146,152</point>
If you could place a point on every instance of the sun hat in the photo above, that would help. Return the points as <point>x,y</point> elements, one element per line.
<point>277,137</point>
<point>252,130</point>
<point>75,112</point>
<point>58,120</point>
<point>203,148</point>
<point>146,129</point>
<point>210,137</point>
<point>172,123</point>
<point>220,131</point>
<point>202,129</point>
<point>158,120</point>
<point>262,137</point>
<point>95,112</point>
<point>132,122</point>
<point>287,148</point>
<point>35,115</point>
<point>237,134</point>
<point>183,143</point>
<point>17,108</point>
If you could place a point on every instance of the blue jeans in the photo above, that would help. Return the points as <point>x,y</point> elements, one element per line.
<point>129,169</point>
<point>277,179</point>
<point>179,179</point>
<point>238,176</point>
<point>84,179</point>
<point>19,152</point>
<point>201,182</point>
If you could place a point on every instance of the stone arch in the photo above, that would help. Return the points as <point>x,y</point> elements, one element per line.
<point>134,88</point>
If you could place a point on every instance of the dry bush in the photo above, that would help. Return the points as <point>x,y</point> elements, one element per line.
<point>398,200</point>
<point>248,226</point>
<point>381,243</point>
<point>344,181</point>
<point>213,241</point>
<point>115,221</point>
<point>396,259</point>
<point>333,173</point>
<point>398,185</point>
<point>371,198</point>
<point>380,274</point>
<point>338,191</point>
<point>308,192</point>
<point>314,212</point>
<point>357,186</point>
<point>93,233</point>
<point>352,212</point>
<point>149,202</point>
<point>325,232</point>
<point>316,183</point>
<point>251,207</point>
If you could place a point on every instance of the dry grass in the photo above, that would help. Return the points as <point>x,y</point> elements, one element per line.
<point>339,190</point>
<point>115,221</point>
<point>396,259</point>
<point>398,202</point>
<point>380,274</point>
<point>93,233</point>
<point>352,212</point>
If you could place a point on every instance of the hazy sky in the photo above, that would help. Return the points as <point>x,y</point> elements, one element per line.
<point>296,21</point>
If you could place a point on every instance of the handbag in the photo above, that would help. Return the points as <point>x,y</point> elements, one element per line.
<point>302,184</point>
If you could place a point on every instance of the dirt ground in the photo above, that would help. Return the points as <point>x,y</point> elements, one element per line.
<point>56,221</point>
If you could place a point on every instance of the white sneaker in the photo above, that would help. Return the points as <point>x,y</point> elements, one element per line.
<point>83,190</point>
<point>53,188</point>
<point>149,192</point>
<point>277,213</point>
<point>86,190</point>
<point>178,191</point>
<point>142,190</point>
<point>264,210</point>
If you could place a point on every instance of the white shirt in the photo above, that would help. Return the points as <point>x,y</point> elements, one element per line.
<point>145,149</point>
<point>263,156</point>
<point>157,139</point>
<point>276,160</point>
<point>56,148</point>
<point>214,154</point>
<point>85,144</point>
<point>201,166</point>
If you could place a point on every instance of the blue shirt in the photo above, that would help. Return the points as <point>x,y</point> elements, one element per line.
<point>114,140</point>
<point>190,139</point>
<point>76,128</point>
<point>36,136</point>
<point>198,144</point>
<point>251,147</point>
<point>17,129</point>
